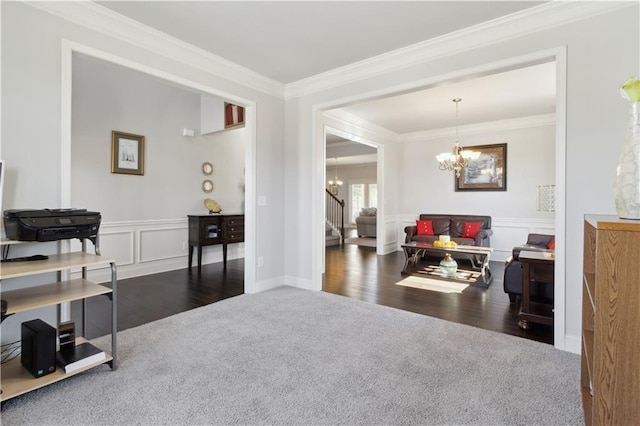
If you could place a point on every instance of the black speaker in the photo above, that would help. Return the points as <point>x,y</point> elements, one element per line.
<point>38,347</point>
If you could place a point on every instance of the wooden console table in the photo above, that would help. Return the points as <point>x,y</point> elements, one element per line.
<point>214,229</point>
<point>538,267</point>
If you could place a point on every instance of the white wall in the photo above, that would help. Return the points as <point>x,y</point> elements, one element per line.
<point>530,162</point>
<point>597,63</point>
<point>130,101</point>
<point>32,131</point>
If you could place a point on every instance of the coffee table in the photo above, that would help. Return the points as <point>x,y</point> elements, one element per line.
<point>479,257</point>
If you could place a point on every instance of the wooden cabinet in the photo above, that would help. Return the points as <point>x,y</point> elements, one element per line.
<point>610,366</point>
<point>16,380</point>
<point>207,230</point>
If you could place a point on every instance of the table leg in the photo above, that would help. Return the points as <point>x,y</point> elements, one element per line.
<point>525,302</point>
<point>190,255</point>
<point>199,258</point>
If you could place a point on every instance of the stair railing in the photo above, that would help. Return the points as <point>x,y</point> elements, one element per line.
<point>335,213</point>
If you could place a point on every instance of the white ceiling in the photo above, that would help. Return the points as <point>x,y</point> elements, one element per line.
<point>291,41</point>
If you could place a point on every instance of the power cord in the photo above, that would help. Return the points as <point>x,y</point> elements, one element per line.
<point>11,351</point>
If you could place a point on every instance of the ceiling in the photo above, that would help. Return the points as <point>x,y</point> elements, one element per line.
<point>292,41</point>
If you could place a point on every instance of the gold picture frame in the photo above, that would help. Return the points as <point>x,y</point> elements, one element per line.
<point>127,153</point>
<point>488,172</point>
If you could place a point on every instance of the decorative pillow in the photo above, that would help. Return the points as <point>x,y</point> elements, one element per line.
<point>425,227</point>
<point>368,211</point>
<point>552,244</point>
<point>471,229</point>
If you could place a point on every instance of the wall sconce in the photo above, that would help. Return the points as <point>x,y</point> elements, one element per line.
<point>546,198</point>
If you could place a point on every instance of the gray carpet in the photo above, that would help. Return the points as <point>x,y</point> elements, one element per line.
<point>290,356</point>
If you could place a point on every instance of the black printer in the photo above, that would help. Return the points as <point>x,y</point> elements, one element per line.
<point>51,224</point>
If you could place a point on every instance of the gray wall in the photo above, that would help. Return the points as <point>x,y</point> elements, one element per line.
<point>110,97</point>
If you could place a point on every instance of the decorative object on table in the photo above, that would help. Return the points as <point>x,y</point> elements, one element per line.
<point>212,206</point>
<point>335,184</point>
<point>459,158</point>
<point>207,185</point>
<point>233,115</point>
<point>488,172</point>
<point>448,266</point>
<point>207,168</point>
<point>127,153</point>
<point>546,198</point>
<point>627,185</point>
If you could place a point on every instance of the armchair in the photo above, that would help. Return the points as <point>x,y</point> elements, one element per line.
<point>513,269</point>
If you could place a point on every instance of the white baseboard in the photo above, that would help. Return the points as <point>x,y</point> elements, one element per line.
<point>572,344</point>
<point>300,283</point>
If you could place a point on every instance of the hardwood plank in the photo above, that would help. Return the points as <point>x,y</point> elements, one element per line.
<point>351,271</point>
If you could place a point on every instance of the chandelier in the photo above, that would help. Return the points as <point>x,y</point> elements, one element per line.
<point>458,158</point>
<point>335,183</point>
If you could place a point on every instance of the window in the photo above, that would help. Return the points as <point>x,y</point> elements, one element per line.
<point>363,193</point>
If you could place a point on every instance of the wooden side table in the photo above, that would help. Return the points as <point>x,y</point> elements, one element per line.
<point>536,267</point>
<point>213,229</point>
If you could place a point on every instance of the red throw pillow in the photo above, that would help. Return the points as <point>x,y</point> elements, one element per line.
<point>425,227</point>
<point>552,244</point>
<point>471,229</point>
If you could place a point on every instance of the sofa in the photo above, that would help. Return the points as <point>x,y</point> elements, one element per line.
<point>513,269</point>
<point>470,230</point>
<point>366,222</point>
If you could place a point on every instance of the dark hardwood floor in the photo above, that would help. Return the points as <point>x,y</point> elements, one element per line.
<point>351,271</point>
<point>357,272</point>
<point>152,297</point>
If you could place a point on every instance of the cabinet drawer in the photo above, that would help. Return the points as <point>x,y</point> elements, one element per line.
<point>235,237</point>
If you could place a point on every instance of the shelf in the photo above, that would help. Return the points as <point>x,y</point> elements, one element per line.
<point>54,263</point>
<point>51,294</point>
<point>17,380</point>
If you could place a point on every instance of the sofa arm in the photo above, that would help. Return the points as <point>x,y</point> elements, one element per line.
<point>410,230</point>
<point>482,238</point>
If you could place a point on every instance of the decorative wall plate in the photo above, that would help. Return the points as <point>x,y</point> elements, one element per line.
<point>207,185</point>
<point>207,168</point>
<point>212,205</point>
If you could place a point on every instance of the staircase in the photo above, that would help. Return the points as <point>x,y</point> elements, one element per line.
<point>331,239</point>
<point>334,220</point>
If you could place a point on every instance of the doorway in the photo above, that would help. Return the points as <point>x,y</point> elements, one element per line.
<point>558,58</point>
<point>69,50</point>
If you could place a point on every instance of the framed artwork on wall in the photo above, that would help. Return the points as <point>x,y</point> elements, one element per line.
<point>127,153</point>
<point>233,115</point>
<point>488,172</point>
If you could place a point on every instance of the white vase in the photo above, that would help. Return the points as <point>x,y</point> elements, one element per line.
<point>627,186</point>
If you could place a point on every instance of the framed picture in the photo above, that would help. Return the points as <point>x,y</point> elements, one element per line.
<point>488,172</point>
<point>127,153</point>
<point>233,115</point>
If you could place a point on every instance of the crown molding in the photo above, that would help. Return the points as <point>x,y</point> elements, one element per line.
<point>539,18</point>
<point>98,18</point>
<point>474,129</point>
<point>354,121</point>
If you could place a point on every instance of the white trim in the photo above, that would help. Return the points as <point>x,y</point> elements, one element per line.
<point>479,128</point>
<point>103,20</point>
<point>560,276</point>
<point>360,124</point>
<point>536,19</point>
<point>67,50</point>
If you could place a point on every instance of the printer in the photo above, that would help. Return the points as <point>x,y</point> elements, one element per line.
<point>51,224</point>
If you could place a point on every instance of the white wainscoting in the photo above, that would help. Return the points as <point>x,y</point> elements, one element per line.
<point>390,241</point>
<point>507,232</point>
<point>149,247</point>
